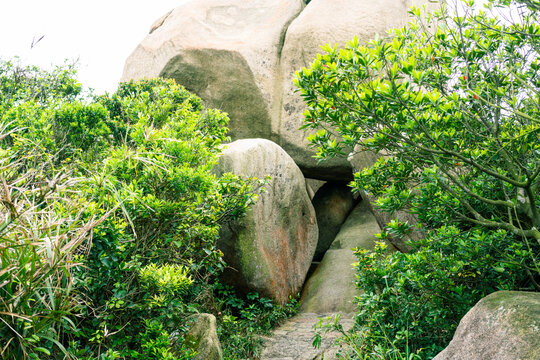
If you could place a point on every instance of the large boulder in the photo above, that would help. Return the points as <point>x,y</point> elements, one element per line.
<point>241,57</point>
<point>202,337</point>
<point>332,286</point>
<point>502,326</point>
<point>225,51</point>
<point>326,22</point>
<point>270,249</point>
<point>333,202</point>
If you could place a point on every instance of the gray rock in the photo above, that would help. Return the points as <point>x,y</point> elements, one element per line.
<point>270,249</point>
<point>325,22</point>
<point>202,337</point>
<point>358,231</point>
<point>312,186</point>
<point>333,203</point>
<point>332,287</point>
<point>225,51</point>
<point>502,326</point>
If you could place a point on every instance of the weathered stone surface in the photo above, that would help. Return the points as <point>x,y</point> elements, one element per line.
<point>202,337</point>
<point>358,230</point>
<point>333,203</point>
<point>241,57</point>
<point>270,249</point>
<point>363,159</point>
<point>502,326</point>
<point>332,287</point>
<point>322,22</point>
<point>225,51</point>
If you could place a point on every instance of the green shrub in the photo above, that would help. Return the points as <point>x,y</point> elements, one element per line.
<point>412,302</point>
<point>452,102</point>
<point>417,299</point>
<point>80,126</point>
<point>20,84</point>
<point>157,172</point>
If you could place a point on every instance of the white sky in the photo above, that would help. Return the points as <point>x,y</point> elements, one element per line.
<point>100,33</point>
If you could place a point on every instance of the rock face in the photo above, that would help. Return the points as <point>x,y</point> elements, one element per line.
<point>270,249</point>
<point>322,22</point>
<point>202,337</point>
<point>502,326</point>
<point>332,287</point>
<point>333,202</point>
<point>241,57</point>
<point>225,51</point>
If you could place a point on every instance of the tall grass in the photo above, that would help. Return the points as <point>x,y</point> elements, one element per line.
<point>41,233</point>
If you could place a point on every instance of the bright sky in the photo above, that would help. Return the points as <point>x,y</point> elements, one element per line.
<point>100,33</point>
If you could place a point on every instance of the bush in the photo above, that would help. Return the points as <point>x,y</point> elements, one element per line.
<point>139,163</point>
<point>415,300</point>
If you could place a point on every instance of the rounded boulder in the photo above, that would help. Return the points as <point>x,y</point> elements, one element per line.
<point>269,249</point>
<point>504,325</point>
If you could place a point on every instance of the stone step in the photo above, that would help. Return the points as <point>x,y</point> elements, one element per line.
<point>331,288</point>
<point>293,340</point>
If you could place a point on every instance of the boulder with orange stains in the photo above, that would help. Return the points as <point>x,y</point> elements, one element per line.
<point>268,250</point>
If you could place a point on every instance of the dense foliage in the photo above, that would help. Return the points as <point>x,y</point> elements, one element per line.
<point>451,104</point>
<point>109,220</point>
<point>41,228</point>
<point>415,300</point>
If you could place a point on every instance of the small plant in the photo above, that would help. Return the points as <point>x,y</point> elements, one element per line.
<point>156,344</point>
<point>351,343</point>
<point>244,320</point>
<point>168,278</point>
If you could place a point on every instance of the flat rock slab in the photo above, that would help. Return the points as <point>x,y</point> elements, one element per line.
<point>293,340</point>
<point>332,287</point>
